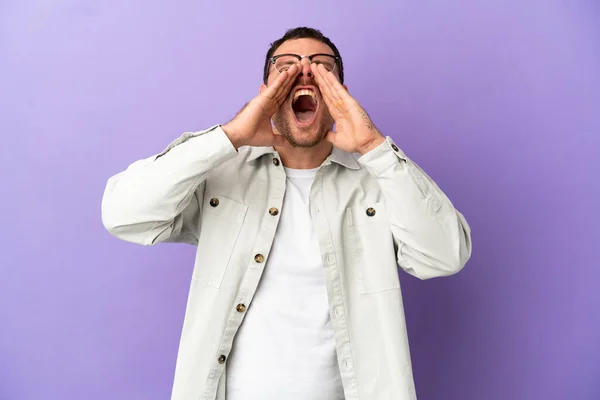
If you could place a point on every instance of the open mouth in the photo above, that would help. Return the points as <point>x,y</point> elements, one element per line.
<point>305,106</point>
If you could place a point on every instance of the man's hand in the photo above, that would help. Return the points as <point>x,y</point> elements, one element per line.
<point>355,132</point>
<point>252,124</point>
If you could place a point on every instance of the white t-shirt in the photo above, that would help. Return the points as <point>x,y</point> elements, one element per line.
<point>285,346</point>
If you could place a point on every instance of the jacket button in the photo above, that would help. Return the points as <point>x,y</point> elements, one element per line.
<point>214,202</point>
<point>273,211</point>
<point>276,162</point>
<point>370,211</point>
<point>222,359</point>
<point>240,308</point>
<point>259,258</point>
<point>394,147</point>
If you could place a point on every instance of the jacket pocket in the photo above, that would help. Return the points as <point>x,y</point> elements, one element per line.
<point>372,244</point>
<point>222,220</point>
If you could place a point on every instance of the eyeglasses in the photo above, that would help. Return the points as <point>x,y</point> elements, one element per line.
<point>284,61</point>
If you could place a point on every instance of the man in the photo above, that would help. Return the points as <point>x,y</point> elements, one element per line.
<point>295,292</point>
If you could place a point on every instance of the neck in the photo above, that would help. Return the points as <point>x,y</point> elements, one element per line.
<point>305,157</point>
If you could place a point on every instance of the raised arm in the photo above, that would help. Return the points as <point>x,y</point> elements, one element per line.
<point>159,199</point>
<point>432,237</point>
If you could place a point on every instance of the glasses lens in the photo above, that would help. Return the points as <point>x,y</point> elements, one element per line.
<point>283,63</point>
<point>327,61</point>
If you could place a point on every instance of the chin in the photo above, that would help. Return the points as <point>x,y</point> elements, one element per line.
<point>303,135</point>
<point>305,140</point>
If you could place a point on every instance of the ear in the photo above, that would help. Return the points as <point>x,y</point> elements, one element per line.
<point>263,87</point>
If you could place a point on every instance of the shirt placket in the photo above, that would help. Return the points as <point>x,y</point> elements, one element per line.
<point>337,308</point>
<point>251,278</point>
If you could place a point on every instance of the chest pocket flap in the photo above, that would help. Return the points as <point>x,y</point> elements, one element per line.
<point>374,256</point>
<point>222,220</point>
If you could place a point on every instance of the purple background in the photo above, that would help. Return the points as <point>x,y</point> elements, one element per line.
<point>499,101</point>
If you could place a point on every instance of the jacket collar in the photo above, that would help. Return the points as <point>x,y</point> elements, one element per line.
<point>337,156</point>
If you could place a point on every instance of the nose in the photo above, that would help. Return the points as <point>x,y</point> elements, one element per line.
<point>305,68</point>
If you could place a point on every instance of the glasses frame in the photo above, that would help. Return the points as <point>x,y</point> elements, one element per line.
<point>336,59</point>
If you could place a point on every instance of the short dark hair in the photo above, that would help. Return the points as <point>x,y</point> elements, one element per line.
<point>302,33</point>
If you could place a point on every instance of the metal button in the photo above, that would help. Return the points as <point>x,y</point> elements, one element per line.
<point>273,211</point>
<point>240,308</point>
<point>259,258</point>
<point>370,211</point>
<point>276,162</point>
<point>214,202</point>
<point>394,147</point>
<point>222,359</point>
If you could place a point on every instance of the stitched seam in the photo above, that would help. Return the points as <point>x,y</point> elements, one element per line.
<point>380,291</point>
<point>355,379</point>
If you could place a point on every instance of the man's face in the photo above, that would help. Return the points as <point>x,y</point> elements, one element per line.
<point>303,119</point>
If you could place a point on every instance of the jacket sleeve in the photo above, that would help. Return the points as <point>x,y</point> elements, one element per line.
<point>159,199</point>
<point>432,238</point>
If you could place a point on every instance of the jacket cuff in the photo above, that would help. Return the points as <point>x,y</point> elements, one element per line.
<point>382,157</point>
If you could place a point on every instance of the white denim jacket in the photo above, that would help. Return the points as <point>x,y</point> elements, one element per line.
<point>371,214</point>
